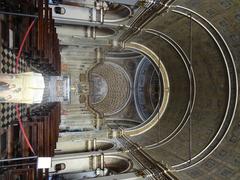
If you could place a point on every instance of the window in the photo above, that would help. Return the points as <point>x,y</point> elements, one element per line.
<point>60,10</point>
<point>54,1</point>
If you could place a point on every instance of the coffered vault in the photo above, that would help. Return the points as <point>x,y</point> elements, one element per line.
<point>195,49</point>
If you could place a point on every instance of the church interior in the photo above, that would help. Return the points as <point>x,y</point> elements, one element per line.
<point>119,89</point>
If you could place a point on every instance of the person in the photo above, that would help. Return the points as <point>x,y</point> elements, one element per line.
<point>21,88</point>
